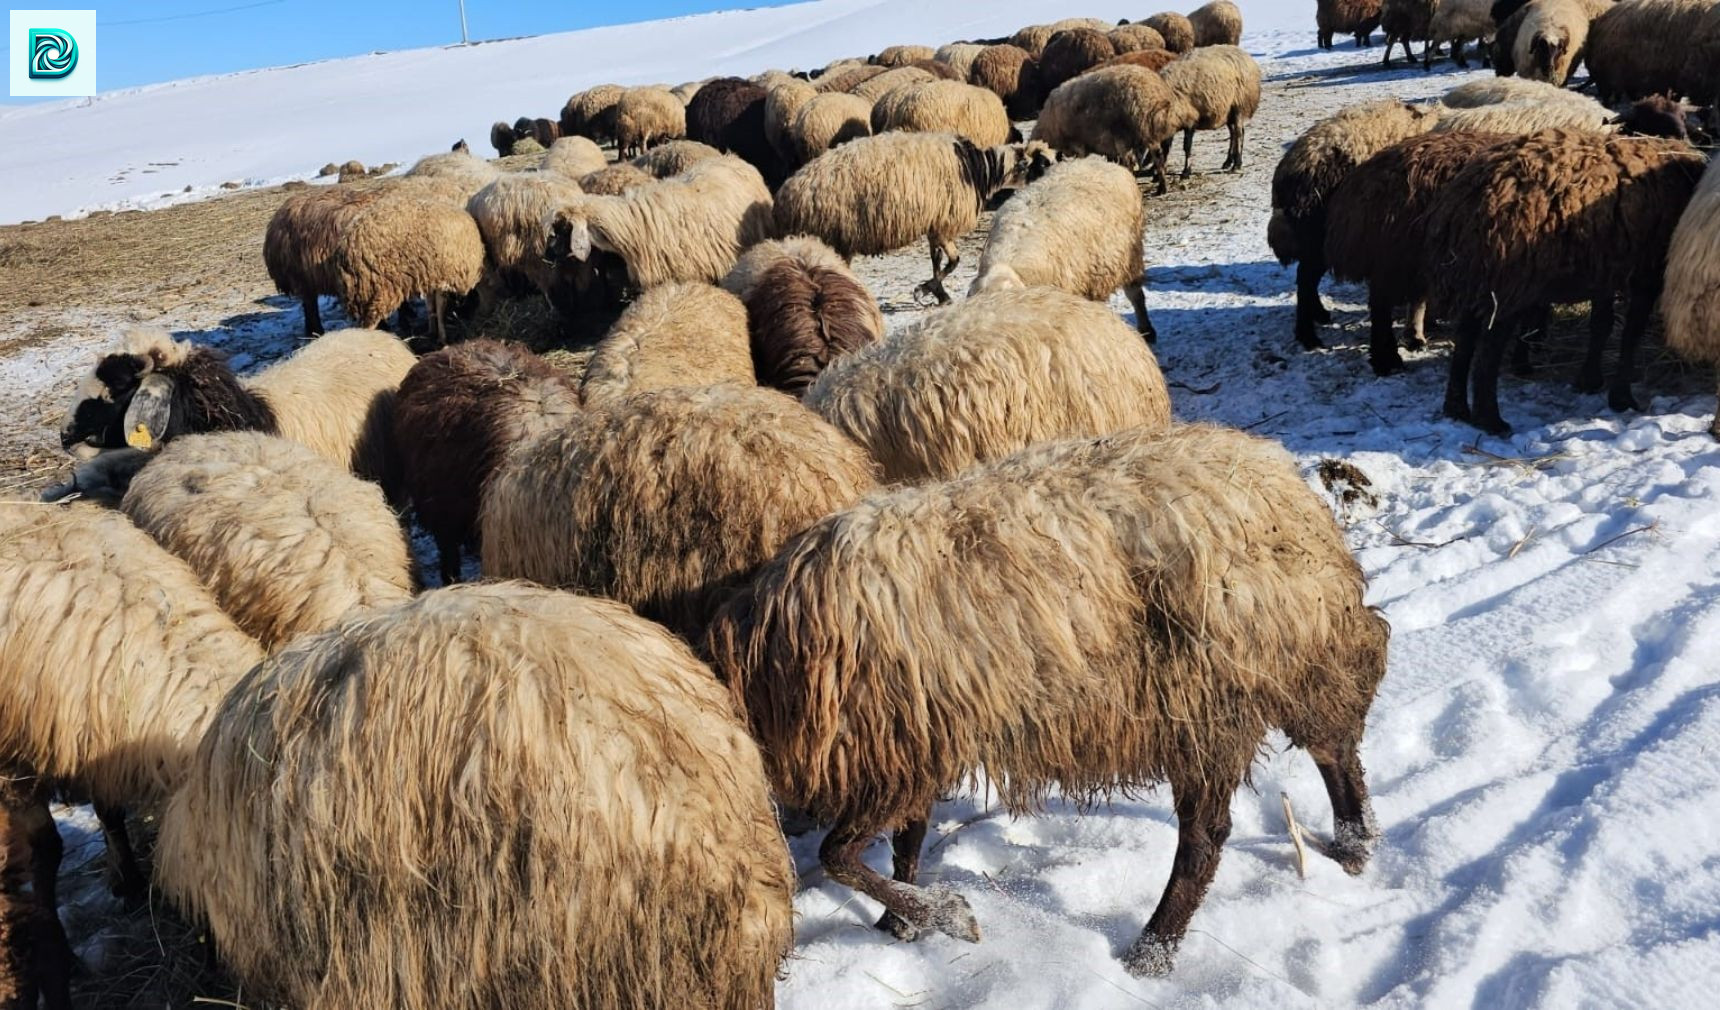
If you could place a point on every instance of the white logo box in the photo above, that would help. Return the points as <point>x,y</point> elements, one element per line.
<point>80,82</point>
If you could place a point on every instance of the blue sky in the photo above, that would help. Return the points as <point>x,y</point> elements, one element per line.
<point>146,41</point>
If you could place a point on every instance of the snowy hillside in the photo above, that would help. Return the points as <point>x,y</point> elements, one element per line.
<point>1545,749</point>
<point>143,146</point>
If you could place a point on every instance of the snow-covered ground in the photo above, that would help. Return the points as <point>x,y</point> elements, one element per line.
<point>1545,749</point>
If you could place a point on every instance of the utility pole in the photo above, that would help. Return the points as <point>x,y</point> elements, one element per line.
<point>463,39</point>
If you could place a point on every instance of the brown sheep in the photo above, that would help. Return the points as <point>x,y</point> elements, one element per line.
<point>1071,53</point>
<point>1349,17</point>
<point>1407,21</point>
<point>1153,59</point>
<point>1502,256</point>
<point>1134,38</point>
<point>1218,23</point>
<point>458,412</point>
<point>1141,607</point>
<point>901,56</point>
<point>666,500</point>
<point>1176,30</point>
<point>1010,73</point>
<point>591,113</point>
<point>1640,47</point>
<point>804,308</point>
<point>1222,83</point>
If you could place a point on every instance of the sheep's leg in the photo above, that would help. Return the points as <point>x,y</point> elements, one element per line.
<point>1636,315</point>
<point>1530,335</point>
<point>313,315</point>
<point>944,260</point>
<point>1137,292</point>
<point>1354,831</point>
<point>1462,353</point>
<point>1589,377</point>
<point>51,959</point>
<point>1714,425</point>
<point>438,309</point>
<point>1238,135</point>
<point>1484,384</point>
<point>1457,56</point>
<point>1188,152</point>
<point>124,876</point>
<point>1203,824</point>
<point>1382,338</point>
<point>1308,273</point>
<point>905,858</point>
<point>448,550</point>
<point>1415,327</point>
<point>923,907</point>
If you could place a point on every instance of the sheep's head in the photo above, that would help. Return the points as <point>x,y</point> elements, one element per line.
<point>569,237</point>
<point>1546,51</point>
<point>125,400</point>
<point>1663,116</point>
<point>502,139</point>
<point>1037,157</point>
<point>461,146</point>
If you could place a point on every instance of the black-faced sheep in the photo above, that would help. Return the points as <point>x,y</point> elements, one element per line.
<point>288,542</point>
<point>113,657</point>
<point>1376,230</point>
<point>1357,18</point>
<point>672,335</point>
<point>666,500</point>
<point>991,375</point>
<point>1072,53</point>
<point>502,139</point>
<point>1306,176</point>
<point>728,114</point>
<point>1010,73</point>
<point>458,412</point>
<point>1079,228</point>
<point>1640,47</point>
<point>1406,21</point>
<point>646,117</point>
<point>1222,84</point>
<point>591,113</point>
<point>490,796</point>
<point>1501,256</point>
<point>574,157</point>
<point>334,395</point>
<point>1176,29</point>
<point>804,309</point>
<point>827,121</point>
<point>409,242</point>
<point>691,227</point>
<point>1125,113</point>
<point>1690,305</point>
<point>945,107</point>
<point>878,194</point>
<point>1189,594</point>
<point>1218,23</point>
<point>1456,22</point>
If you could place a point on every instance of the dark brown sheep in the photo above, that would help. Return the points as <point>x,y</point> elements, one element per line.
<point>502,139</point>
<point>1349,17</point>
<point>1071,53</point>
<point>1600,224</point>
<point>458,412</point>
<point>728,114</point>
<point>1376,229</point>
<point>545,131</point>
<point>1407,21</point>
<point>1012,74</point>
<point>804,308</point>
<point>939,69</point>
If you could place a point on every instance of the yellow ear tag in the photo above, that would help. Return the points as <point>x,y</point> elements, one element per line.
<point>138,437</point>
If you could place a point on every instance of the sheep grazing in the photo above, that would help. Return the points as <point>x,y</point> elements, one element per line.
<point>781,103</point>
<point>804,308</point>
<point>458,412</point>
<point>675,157</point>
<point>1177,30</point>
<point>509,214</point>
<point>945,107</point>
<point>1376,230</point>
<point>1407,21</point>
<point>1008,72</point>
<point>876,88</point>
<point>1189,594</point>
<point>667,500</point>
<point>460,167</point>
<point>288,542</point>
<point>300,240</point>
<point>334,395</point>
<point>1134,39</point>
<point>456,792</point>
<point>959,57</point>
<point>1456,22</point>
<point>646,117</point>
<point>1690,305</point>
<point>728,114</point>
<point>939,70</point>
<point>1306,176</point>
<point>591,113</point>
<point>1358,18</point>
<point>1222,83</point>
<point>901,56</point>
<point>1640,47</point>
<point>1152,59</point>
<point>1504,256</point>
<point>616,179</point>
<point>407,243</point>
<point>1125,113</point>
<point>112,659</point>
<point>1218,23</point>
<point>1549,39</point>
<point>672,335</point>
<point>874,195</point>
<point>1079,228</point>
<point>502,139</point>
<point>827,121</point>
<point>574,157</point>
<point>1033,39</point>
<point>999,372</point>
<point>1072,53</point>
<point>691,227</point>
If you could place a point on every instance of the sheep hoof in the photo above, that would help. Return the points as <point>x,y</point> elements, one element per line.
<point>949,913</point>
<point>1457,410</point>
<point>1621,400</point>
<point>1150,957</point>
<point>1149,334</point>
<point>1309,341</point>
<point>1414,343</point>
<point>1352,846</point>
<point>897,927</point>
<point>1320,314</point>
<point>1589,381</point>
<point>1386,366</point>
<point>1494,425</point>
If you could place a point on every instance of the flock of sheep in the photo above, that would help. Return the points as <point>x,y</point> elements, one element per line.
<point>760,552</point>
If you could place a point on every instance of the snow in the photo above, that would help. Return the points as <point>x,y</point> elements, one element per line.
<point>1542,752</point>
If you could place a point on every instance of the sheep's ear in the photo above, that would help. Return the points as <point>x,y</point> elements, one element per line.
<point>150,410</point>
